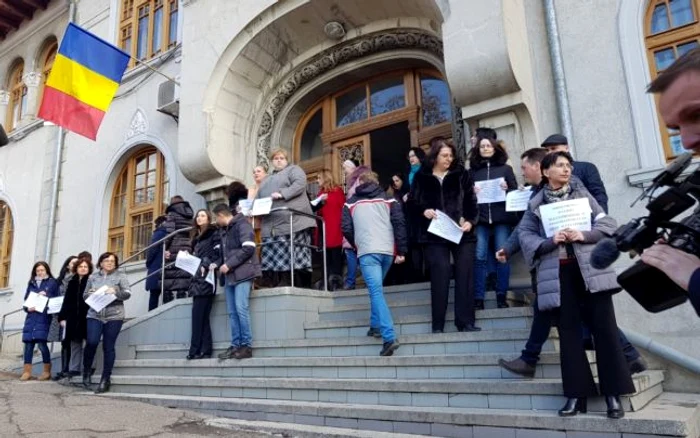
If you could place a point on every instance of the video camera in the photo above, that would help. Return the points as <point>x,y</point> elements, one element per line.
<point>650,287</point>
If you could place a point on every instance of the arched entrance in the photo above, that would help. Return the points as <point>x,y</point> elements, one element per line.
<point>374,121</point>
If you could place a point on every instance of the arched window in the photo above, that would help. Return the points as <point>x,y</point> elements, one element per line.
<point>138,197</point>
<point>148,27</point>
<point>672,28</point>
<point>435,95</point>
<point>48,56</point>
<point>5,244</point>
<point>18,96</point>
<point>311,145</point>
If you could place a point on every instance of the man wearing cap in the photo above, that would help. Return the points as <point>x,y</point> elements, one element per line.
<point>583,170</point>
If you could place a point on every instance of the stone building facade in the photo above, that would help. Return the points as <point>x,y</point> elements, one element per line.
<point>330,80</point>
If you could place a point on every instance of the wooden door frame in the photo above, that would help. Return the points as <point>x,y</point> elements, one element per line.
<point>337,165</point>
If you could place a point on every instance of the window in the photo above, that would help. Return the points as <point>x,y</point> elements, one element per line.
<point>5,244</point>
<point>148,27</point>
<point>370,99</point>
<point>48,56</point>
<point>435,96</point>
<point>137,199</point>
<point>672,29</point>
<point>311,143</point>
<point>18,96</point>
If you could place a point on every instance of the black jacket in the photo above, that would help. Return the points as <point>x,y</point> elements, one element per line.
<point>238,251</point>
<point>178,215</point>
<point>590,177</point>
<point>207,247</point>
<point>495,213</point>
<point>455,197</point>
<point>154,259</point>
<point>74,310</point>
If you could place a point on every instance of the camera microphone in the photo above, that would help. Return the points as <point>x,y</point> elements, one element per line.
<point>604,254</point>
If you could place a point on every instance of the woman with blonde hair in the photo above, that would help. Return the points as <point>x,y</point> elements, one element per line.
<point>333,200</point>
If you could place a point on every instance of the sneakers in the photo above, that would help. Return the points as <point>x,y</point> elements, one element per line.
<point>389,347</point>
<point>374,332</point>
<point>518,366</point>
<point>637,366</point>
<point>228,354</point>
<point>244,352</point>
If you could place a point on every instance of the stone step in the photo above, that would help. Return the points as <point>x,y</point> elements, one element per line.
<point>419,323</point>
<point>675,415</point>
<point>537,394</point>
<point>506,342</point>
<point>473,366</point>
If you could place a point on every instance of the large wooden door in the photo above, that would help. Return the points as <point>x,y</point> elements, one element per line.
<point>356,148</point>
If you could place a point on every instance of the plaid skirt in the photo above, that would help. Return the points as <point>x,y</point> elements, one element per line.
<point>275,252</point>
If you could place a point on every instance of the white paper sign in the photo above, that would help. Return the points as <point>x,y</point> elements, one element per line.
<point>246,205</point>
<point>319,199</point>
<point>490,191</point>
<point>443,226</point>
<point>187,262</point>
<point>100,299</point>
<point>518,200</point>
<point>211,279</point>
<point>261,207</point>
<point>55,305</point>
<point>574,214</point>
<point>36,301</point>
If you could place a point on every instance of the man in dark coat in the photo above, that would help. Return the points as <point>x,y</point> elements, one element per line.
<point>154,261</point>
<point>178,215</point>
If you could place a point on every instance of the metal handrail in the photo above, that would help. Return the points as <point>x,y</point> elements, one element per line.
<point>152,274</point>
<point>152,245</point>
<point>2,325</point>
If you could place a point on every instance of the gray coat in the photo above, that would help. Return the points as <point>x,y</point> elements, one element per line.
<point>542,254</point>
<point>117,280</point>
<point>291,183</point>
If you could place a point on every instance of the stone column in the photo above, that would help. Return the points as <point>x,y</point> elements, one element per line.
<point>32,80</point>
<point>4,102</point>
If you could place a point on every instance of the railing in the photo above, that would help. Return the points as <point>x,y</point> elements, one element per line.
<point>2,325</point>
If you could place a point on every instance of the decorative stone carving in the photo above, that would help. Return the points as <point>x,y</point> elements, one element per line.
<point>4,97</point>
<point>32,79</point>
<point>332,58</point>
<point>186,3</point>
<point>458,137</point>
<point>138,125</point>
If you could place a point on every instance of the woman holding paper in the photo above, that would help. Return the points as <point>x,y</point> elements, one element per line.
<point>42,286</point>
<point>443,191</point>
<point>560,252</point>
<point>112,287</point>
<point>73,315</point>
<point>487,161</point>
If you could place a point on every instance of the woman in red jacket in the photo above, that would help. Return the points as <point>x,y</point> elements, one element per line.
<point>333,201</point>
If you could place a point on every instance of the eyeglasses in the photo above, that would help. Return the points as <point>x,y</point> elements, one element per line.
<point>485,146</point>
<point>563,166</point>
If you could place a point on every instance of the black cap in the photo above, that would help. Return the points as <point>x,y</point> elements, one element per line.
<point>555,139</point>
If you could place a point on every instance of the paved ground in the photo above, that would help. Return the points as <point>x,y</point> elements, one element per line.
<point>47,409</point>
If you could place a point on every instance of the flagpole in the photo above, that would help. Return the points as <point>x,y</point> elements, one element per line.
<point>154,70</point>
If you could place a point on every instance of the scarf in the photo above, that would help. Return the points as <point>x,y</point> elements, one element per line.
<point>559,195</point>
<point>414,169</point>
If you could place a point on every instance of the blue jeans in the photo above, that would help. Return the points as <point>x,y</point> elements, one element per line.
<point>374,268</point>
<point>351,256</point>
<point>483,234</point>
<point>29,351</point>
<point>108,331</point>
<point>237,304</point>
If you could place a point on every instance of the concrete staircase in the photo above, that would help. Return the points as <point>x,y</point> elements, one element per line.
<point>321,369</point>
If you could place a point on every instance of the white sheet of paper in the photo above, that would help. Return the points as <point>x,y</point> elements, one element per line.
<point>318,199</point>
<point>261,207</point>
<point>491,191</point>
<point>574,214</point>
<point>187,262</point>
<point>446,228</point>
<point>55,305</point>
<point>38,302</point>
<point>100,299</point>
<point>517,200</point>
<point>211,278</point>
<point>246,205</point>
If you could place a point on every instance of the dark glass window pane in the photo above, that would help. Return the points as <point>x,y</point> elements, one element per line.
<point>157,31</point>
<point>142,50</point>
<point>172,39</point>
<point>311,144</point>
<point>659,19</point>
<point>681,12</point>
<point>664,58</point>
<point>682,49</point>
<point>351,107</point>
<point>387,95</point>
<point>435,101</point>
<point>127,46</point>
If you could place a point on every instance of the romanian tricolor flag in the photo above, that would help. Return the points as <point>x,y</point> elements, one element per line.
<point>82,83</point>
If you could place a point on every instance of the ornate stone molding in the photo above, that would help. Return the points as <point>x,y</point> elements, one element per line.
<point>458,137</point>
<point>186,3</point>
<point>138,125</point>
<point>32,79</point>
<point>4,97</point>
<point>332,58</point>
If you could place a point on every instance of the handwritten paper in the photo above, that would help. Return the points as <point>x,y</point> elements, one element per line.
<point>36,301</point>
<point>100,299</point>
<point>187,262</point>
<point>55,305</point>
<point>443,226</point>
<point>574,214</point>
<point>261,207</point>
<point>490,191</point>
<point>518,200</point>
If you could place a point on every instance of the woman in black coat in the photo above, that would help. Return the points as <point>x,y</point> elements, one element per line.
<point>207,246</point>
<point>73,314</point>
<point>178,215</point>
<point>444,184</point>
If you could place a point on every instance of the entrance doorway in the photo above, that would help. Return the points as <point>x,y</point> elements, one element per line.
<point>389,146</point>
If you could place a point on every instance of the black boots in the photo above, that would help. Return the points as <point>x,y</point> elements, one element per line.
<point>501,302</point>
<point>103,386</point>
<point>478,304</point>
<point>518,366</point>
<point>615,409</point>
<point>65,364</point>
<point>87,381</point>
<point>573,407</point>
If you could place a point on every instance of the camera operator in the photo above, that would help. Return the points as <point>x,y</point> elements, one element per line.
<point>678,88</point>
